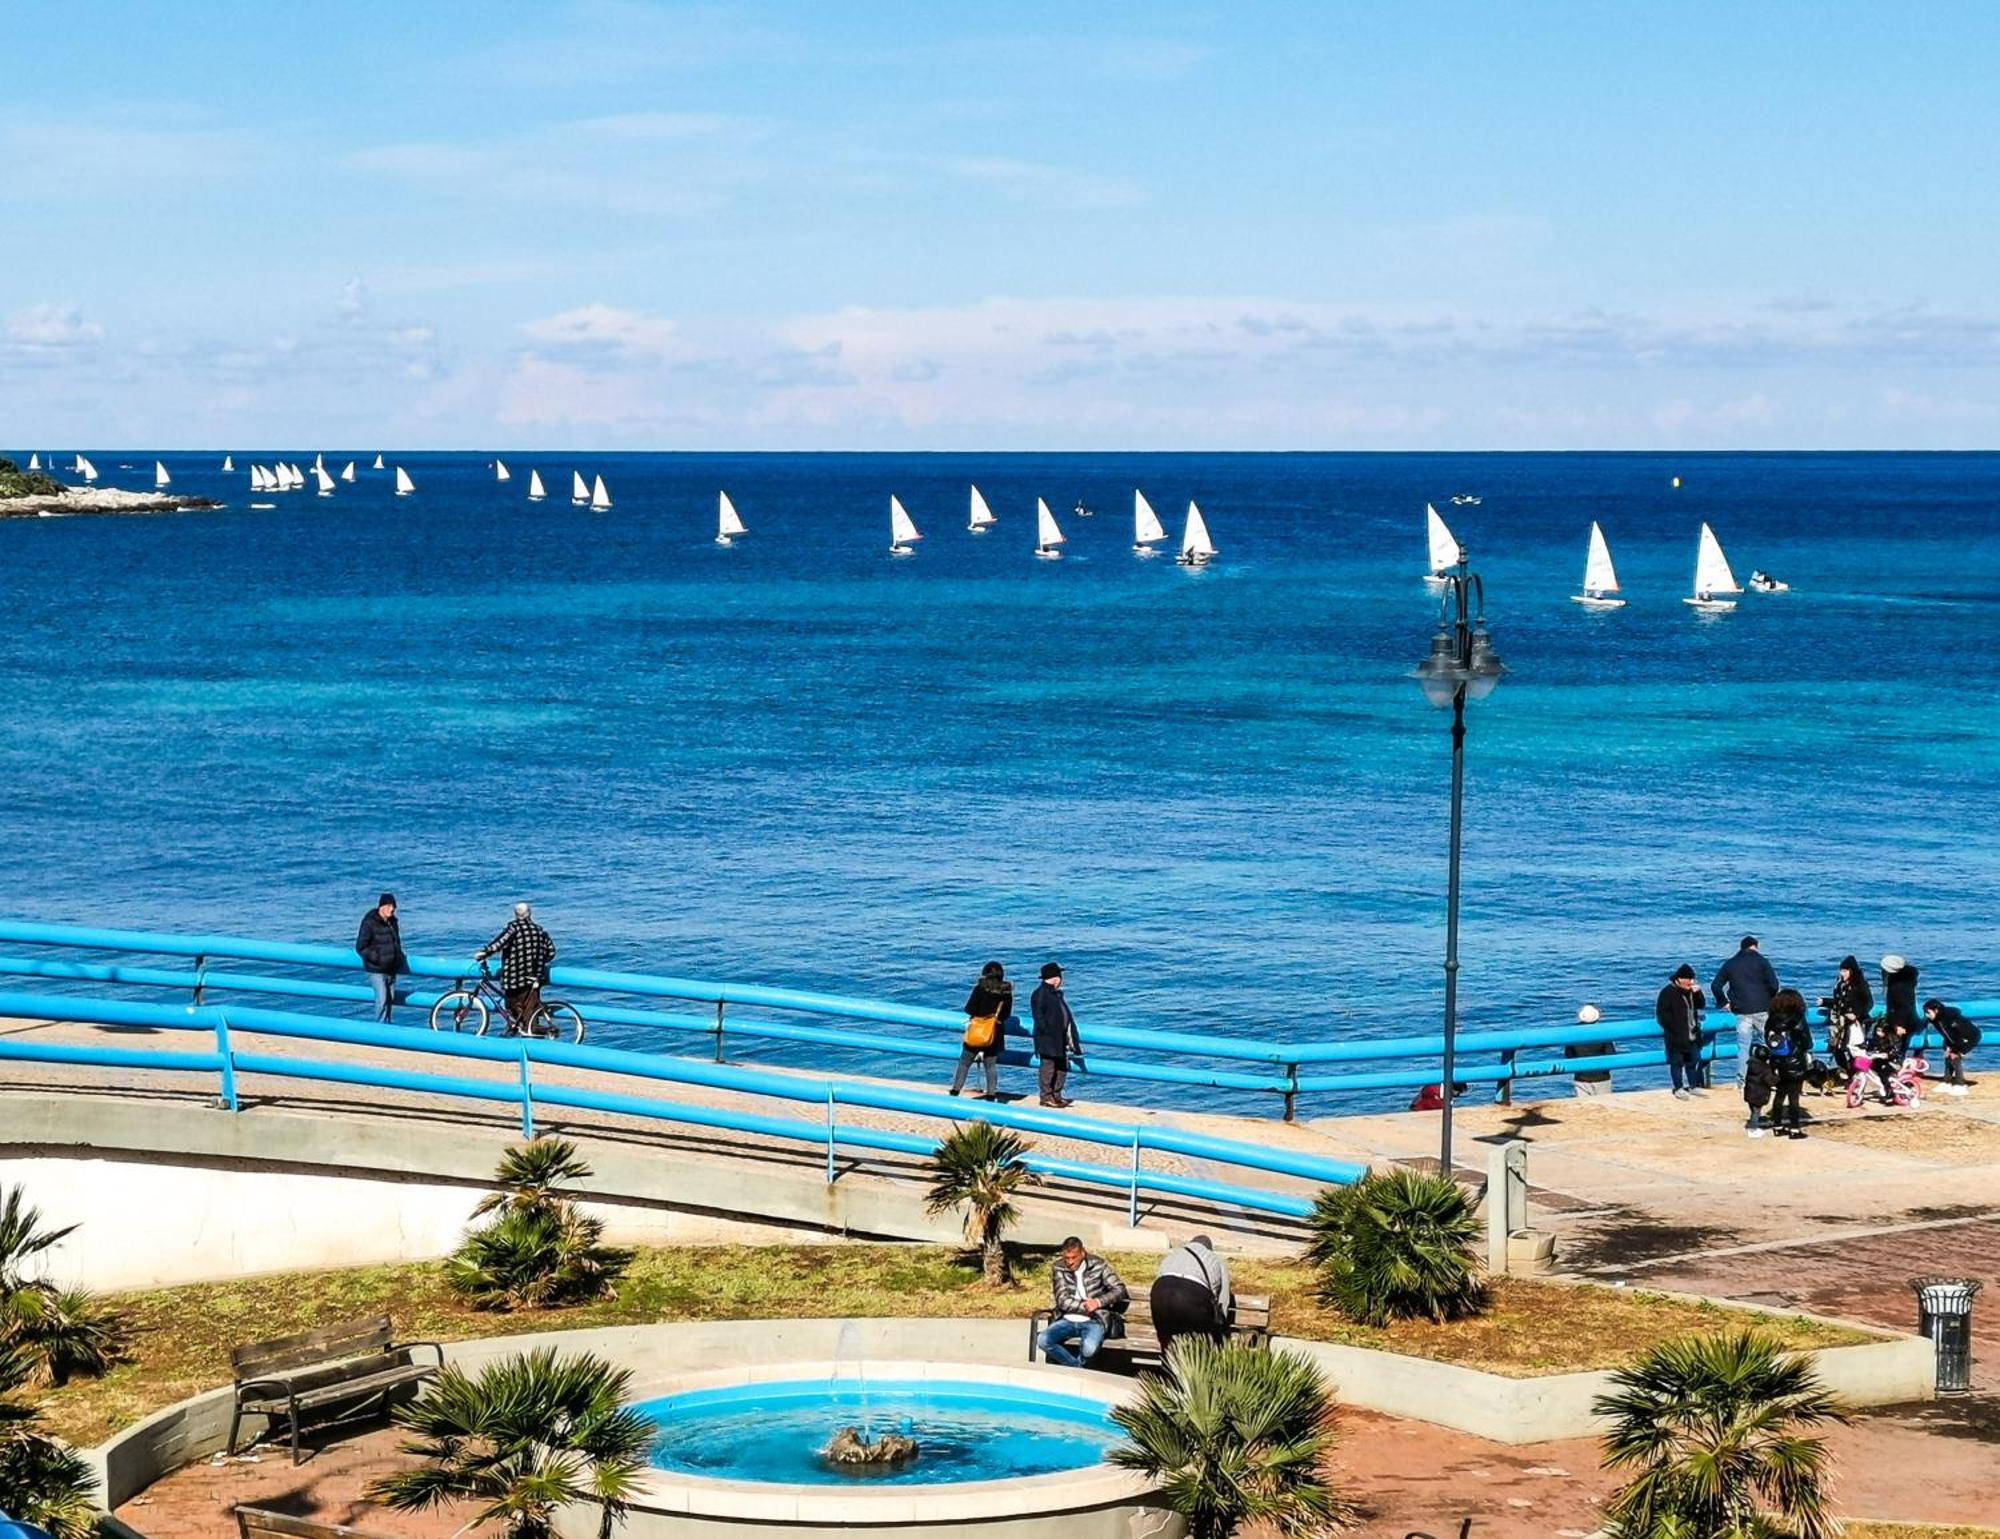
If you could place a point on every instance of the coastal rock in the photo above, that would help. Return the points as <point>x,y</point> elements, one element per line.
<point>889,1451</point>
<point>106,499</point>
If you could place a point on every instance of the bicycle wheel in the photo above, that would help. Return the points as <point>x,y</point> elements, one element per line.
<point>460,1010</point>
<point>557,1021</point>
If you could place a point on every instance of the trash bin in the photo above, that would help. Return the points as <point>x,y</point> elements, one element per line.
<point>1944,1317</point>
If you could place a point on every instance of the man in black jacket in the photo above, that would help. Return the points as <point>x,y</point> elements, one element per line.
<point>1743,986</point>
<point>1961,1035</point>
<point>380,947</point>
<point>1055,1034</point>
<point>1679,1014</point>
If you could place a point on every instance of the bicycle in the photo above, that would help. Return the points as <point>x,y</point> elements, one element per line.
<point>472,1009</point>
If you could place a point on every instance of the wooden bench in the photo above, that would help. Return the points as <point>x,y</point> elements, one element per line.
<point>1252,1326</point>
<point>350,1362</point>
<point>258,1523</point>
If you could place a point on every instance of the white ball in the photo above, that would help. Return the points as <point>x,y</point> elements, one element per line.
<point>1589,1015</point>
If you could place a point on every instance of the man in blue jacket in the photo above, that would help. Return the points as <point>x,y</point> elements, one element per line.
<point>1743,986</point>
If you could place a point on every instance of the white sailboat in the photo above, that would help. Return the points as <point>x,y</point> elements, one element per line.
<point>1146,525</point>
<point>1600,579</point>
<point>294,477</point>
<point>535,492</point>
<point>1715,586</point>
<point>903,533</point>
<point>600,499</point>
<point>1443,544</point>
<point>579,489</point>
<point>727,525</point>
<point>1197,549</point>
<point>325,481</point>
<point>500,471</point>
<point>319,463</point>
<point>404,485</point>
<point>982,515</point>
<point>378,462</point>
<point>34,462</point>
<point>1048,533</point>
<point>161,480</point>
<point>85,469</point>
<point>228,464</point>
<point>347,471</point>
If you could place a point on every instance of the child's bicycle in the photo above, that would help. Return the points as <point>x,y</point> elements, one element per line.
<point>473,1010</point>
<point>1906,1085</point>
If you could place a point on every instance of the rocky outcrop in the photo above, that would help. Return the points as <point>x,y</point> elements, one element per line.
<point>77,499</point>
<point>849,1450</point>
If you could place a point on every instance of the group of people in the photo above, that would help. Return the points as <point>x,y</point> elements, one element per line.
<point>987,1010</point>
<point>1774,1044</point>
<point>1190,1296</point>
<point>525,950</point>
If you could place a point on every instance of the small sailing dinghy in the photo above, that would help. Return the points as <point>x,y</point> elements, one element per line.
<point>1083,512</point>
<point>1715,586</point>
<point>1197,549</point>
<point>1763,582</point>
<point>1443,543</point>
<point>1048,533</point>
<point>500,471</point>
<point>1600,581</point>
<point>982,515</point>
<point>1146,525</point>
<point>228,463</point>
<point>347,471</point>
<point>1464,499</point>
<point>319,463</point>
<point>404,485</point>
<point>161,480</point>
<point>535,489</point>
<point>325,481</point>
<point>903,533</point>
<point>35,462</point>
<point>727,525</point>
<point>600,499</point>
<point>579,489</point>
<point>85,469</point>
<point>378,462</point>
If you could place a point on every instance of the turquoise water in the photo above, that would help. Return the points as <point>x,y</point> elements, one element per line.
<point>773,1432</point>
<point>1217,796</point>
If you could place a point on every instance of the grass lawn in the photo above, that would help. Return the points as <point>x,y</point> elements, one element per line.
<point>181,1336</point>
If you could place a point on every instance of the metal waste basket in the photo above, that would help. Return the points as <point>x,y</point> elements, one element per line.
<point>1944,1317</point>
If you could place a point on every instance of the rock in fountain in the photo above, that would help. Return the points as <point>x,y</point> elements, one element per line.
<point>850,1450</point>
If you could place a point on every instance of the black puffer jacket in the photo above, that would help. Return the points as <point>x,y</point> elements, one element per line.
<point>1788,1042</point>
<point>380,944</point>
<point>1851,995</point>
<point>1679,1014</point>
<point>1899,999</point>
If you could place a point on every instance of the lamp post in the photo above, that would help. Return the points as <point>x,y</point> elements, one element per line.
<point>1461,666</point>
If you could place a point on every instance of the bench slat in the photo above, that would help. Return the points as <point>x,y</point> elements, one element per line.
<point>344,1389</point>
<point>258,1523</point>
<point>306,1349</point>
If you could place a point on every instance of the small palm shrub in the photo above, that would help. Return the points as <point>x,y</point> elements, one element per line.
<point>1717,1432</point>
<point>56,1332</point>
<point>978,1167</point>
<point>1236,1437</point>
<point>523,1437</point>
<point>538,1250</point>
<point>42,1480</point>
<point>1397,1245</point>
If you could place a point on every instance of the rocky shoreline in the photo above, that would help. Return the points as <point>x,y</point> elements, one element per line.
<point>77,499</point>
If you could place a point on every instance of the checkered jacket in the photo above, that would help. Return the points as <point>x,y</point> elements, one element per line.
<point>525,954</point>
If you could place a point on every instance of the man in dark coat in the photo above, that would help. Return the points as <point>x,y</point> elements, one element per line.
<point>525,954</point>
<point>380,947</point>
<point>1960,1034</point>
<point>1743,986</point>
<point>1679,1014</point>
<point>1055,1034</point>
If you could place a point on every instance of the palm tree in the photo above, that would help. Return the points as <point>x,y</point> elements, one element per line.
<point>1235,1436</point>
<point>57,1331</point>
<point>531,1174</point>
<point>540,1250</point>
<point>1716,1429</point>
<point>978,1167</point>
<point>1397,1245</point>
<point>523,1437</point>
<point>42,1481</point>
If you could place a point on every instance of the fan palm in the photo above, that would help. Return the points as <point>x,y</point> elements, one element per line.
<point>531,1174</point>
<point>978,1167</point>
<point>539,1250</point>
<point>58,1331</point>
<point>523,1437</point>
<point>42,1481</point>
<point>22,1237</point>
<point>1235,1436</point>
<point>1397,1245</point>
<point>1717,1430</point>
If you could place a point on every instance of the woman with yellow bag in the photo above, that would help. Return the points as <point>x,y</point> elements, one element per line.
<point>986,1010</point>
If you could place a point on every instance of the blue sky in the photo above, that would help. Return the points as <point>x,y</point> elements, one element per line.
<point>883,225</point>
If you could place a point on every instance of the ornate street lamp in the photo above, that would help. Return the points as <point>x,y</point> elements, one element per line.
<point>1461,666</point>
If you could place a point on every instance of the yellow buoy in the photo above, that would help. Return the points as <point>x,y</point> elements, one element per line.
<point>1677,483</point>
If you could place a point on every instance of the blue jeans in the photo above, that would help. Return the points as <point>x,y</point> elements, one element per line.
<point>384,985</point>
<point>1088,1334</point>
<point>1749,1030</point>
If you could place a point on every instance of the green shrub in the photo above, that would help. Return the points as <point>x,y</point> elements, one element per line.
<point>539,1250</point>
<point>55,1332</point>
<point>42,1481</point>
<point>1397,1245</point>
<point>978,1167</point>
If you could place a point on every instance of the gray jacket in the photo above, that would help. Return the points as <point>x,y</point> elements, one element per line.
<point>1199,1264</point>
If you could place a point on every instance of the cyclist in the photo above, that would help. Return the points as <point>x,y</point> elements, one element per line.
<point>525,954</point>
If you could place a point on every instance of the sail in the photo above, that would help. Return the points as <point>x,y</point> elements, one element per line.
<point>89,470</point>
<point>600,499</point>
<point>1598,575</point>
<point>1048,534</point>
<point>404,485</point>
<point>727,523</point>
<point>325,481</point>
<point>34,462</point>
<point>1711,567</point>
<point>1194,539</point>
<point>378,462</point>
<point>500,471</point>
<point>535,492</point>
<point>982,515</point>
<point>579,490</point>
<point>1444,544</point>
<point>161,480</point>
<point>902,528</point>
<point>319,463</point>
<point>347,471</point>
<point>1146,525</point>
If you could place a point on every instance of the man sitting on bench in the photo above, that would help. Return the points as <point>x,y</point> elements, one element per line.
<point>1088,1299</point>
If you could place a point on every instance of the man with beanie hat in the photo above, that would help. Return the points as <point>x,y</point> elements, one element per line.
<point>1055,1034</point>
<point>380,947</point>
<point>1679,1014</point>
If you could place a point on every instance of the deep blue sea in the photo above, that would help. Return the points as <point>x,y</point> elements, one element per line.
<point>1217,795</point>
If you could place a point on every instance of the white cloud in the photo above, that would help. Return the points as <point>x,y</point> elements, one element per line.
<point>50,328</point>
<point>606,331</point>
